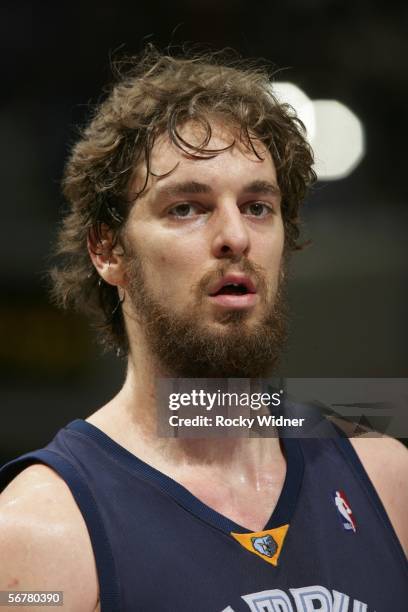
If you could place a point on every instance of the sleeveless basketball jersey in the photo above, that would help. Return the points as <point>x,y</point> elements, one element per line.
<point>328,545</point>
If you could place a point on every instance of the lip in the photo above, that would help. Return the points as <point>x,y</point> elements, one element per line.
<point>230,279</point>
<point>236,302</point>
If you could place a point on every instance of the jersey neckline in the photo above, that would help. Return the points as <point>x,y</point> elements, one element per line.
<point>281,515</point>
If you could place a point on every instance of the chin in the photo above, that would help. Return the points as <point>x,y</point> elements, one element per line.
<point>238,319</point>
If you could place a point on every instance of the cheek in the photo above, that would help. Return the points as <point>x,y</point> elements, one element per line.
<point>184,248</point>
<point>173,259</point>
<point>268,251</point>
<point>173,269</point>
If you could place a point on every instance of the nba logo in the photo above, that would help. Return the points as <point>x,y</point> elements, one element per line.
<point>344,510</point>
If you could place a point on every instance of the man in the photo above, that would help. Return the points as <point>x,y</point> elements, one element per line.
<point>184,194</point>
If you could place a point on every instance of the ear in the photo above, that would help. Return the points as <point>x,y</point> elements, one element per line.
<point>106,255</point>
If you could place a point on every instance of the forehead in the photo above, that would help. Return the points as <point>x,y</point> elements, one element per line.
<point>234,161</point>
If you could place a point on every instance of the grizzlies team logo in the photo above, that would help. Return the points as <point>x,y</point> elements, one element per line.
<point>265,546</point>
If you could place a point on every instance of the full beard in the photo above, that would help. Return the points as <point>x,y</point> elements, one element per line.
<point>185,347</point>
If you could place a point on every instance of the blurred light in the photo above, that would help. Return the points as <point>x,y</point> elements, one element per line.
<point>338,142</point>
<point>292,94</point>
<point>333,130</point>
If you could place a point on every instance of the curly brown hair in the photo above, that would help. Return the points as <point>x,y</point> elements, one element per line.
<point>156,94</point>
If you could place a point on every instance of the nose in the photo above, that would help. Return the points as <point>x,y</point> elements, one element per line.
<point>231,237</point>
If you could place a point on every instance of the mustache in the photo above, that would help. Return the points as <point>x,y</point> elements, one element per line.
<point>255,272</point>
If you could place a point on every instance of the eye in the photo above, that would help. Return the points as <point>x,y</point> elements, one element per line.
<point>257,209</point>
<point>184,210</point>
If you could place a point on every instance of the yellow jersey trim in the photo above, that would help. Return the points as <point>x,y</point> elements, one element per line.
<point>266,544</point>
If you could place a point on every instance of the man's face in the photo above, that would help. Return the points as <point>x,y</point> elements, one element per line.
<point>204,259</point>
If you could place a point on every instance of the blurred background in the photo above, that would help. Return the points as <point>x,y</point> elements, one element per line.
<point>348,291</point>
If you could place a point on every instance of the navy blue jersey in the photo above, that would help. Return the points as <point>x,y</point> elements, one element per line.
<point>328,545</point>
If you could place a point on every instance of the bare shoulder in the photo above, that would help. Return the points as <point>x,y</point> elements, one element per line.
<point>386,463</point>
<point>45,541</point>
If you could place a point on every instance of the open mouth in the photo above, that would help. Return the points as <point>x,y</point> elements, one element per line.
<point>233,284</point>
<point>234,291</point>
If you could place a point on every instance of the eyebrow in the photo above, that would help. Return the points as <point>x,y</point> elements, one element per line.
<point>195,187</point>
<point>265,187</point>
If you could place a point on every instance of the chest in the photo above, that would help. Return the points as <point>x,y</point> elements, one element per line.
<point>247,505</point>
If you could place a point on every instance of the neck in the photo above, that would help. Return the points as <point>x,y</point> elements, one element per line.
<point>133,415</point>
